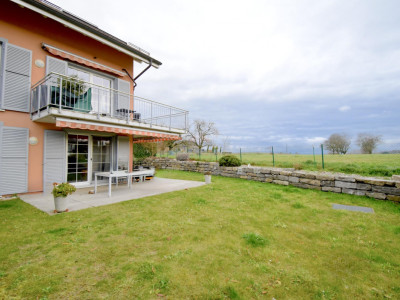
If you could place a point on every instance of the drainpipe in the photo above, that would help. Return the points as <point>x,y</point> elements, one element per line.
<point>140,74</point>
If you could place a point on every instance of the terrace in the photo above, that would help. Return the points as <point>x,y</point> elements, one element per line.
<point>59,96</point>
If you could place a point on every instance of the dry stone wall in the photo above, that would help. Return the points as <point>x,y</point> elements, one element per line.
<point>381,189</point>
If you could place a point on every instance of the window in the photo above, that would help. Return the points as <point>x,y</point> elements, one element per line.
<point>100,90</point>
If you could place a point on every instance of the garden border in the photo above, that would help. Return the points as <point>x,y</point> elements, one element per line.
<point>381,189</point>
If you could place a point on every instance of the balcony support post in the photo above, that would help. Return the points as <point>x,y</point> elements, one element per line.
<point>60,100</point>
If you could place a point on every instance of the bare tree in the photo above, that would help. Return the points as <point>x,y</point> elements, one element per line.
<point>368,142</point>
<point>200,133</point>
<point>338,143</point>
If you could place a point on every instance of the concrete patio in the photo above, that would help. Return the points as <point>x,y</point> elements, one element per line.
<point>81,199</point>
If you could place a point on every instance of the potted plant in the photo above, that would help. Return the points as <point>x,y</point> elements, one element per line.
<point>60,193</point>
<point>207,177</point>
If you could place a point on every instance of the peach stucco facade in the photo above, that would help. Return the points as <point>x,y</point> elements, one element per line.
<point>28,29</point>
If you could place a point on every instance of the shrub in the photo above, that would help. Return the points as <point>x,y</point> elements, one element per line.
<point>229,161</point>
<point>63,189</point>
<point>182,156</point>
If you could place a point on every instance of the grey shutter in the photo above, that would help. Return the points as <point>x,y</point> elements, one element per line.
<point>122,100</point>
<point>123,153</point>
<point>54,158</point>
<point>17,78</point>
<point>56,65</point>
<point>14,160</point>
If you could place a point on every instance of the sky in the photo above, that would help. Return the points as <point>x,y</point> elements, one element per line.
<point>268,73</point>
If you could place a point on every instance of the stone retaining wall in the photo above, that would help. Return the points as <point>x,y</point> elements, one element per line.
<point>323,181</point>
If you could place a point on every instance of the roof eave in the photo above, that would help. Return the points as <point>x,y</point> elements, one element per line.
<point>87,30</point>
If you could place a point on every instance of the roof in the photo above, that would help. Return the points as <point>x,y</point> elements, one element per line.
<point>78,24</point>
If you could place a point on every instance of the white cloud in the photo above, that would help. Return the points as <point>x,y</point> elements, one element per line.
<point>344,108</point>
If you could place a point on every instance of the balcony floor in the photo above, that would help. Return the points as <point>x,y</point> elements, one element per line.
<point>81,199</point>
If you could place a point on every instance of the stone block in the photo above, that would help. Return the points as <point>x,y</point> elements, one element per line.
<point>265,171</point>
<point>331,189</point>
<point>327,183</point>
<point>396,178</point>
<point>286,173</point>
<point>345,184</point>
<point>386,190</point>
<point>363,186</point>
<point>353,192</point>
<point>310,181</point>
<point>375,195</point>
<point>268,179</point>
<point>293,179</point>
<point>282,177</point>
<point>306,186</point>
<point>275,172</point>
<point>344,178</point>
<point>377,182</point>
<point>325,177</point>
<point>393,198</point>
<point>281,182</point>
<point>300,174</point>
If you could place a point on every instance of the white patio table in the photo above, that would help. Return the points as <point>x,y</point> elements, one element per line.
<point>118,174</point>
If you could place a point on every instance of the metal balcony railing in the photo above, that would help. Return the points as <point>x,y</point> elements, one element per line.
<point>72,94</point>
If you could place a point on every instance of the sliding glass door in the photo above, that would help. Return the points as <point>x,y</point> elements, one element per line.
<point>78,158</point>
<point>87,155</point>
<point>101,154</point>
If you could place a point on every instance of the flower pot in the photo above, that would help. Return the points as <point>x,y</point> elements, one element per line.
<point>207,178</point>
<point>61,204</point>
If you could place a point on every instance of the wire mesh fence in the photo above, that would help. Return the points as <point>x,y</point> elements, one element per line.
<point>384,162</point>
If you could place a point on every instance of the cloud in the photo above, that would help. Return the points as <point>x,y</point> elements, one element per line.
<point>344,108</point>
<point>266,72</point>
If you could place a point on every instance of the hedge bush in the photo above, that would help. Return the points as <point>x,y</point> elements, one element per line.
<point>182,156</point>
<point>229,161</point>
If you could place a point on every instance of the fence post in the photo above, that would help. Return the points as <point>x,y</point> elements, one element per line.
<point>313,151</point>
<point>273,157</point>
<point>322,152</point>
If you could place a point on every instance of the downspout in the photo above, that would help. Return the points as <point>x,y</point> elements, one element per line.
<point>140,74</point>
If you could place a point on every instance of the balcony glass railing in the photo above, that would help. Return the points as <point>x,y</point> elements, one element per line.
<point>72,94</point>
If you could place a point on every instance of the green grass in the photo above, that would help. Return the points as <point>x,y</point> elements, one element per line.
<point>202,243</point>
<point>381,165</point>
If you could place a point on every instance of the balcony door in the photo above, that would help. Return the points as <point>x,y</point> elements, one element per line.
<point>101,154</point>
<point>87,155</point>
<point>100,89</point>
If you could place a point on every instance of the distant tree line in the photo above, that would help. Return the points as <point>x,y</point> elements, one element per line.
<point>339,143</point>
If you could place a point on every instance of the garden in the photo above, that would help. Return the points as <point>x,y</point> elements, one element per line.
<point>232,239</point>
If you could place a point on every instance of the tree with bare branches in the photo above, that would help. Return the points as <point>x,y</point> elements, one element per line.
<point>368,142</point>
<point>200,133</point>
<point>338,143</point>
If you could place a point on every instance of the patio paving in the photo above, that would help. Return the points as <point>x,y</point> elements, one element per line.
<point>81,199</point>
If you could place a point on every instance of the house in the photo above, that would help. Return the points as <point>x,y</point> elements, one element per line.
<point>67,104</point>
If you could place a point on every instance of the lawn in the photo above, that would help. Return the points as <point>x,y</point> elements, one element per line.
<point>382,165</point>
<point>233,239</point>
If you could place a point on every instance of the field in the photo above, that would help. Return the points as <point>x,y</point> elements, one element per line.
<point>233,239</point>
<point>382,165</point>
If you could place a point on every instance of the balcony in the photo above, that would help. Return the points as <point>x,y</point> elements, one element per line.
<point>57,95</point>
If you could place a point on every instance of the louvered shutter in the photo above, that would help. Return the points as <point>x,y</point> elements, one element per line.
<point>122,100</point>
<point>14,160</point>
<point>17,78</point>
<point>54,158</point>
<point>123,153</point>
<point>56,65</point>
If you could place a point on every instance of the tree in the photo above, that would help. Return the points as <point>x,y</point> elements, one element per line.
<point>368,142</point>
<point>338,143</point>
<point>200,133</point>
<point>226,143</point>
